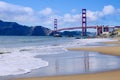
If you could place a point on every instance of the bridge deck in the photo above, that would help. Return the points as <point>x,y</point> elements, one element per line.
<point>90,27</point>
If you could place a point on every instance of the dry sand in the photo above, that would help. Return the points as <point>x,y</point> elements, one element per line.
<point>111,75</point>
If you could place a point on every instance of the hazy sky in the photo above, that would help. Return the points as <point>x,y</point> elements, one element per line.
<point>68,12</point>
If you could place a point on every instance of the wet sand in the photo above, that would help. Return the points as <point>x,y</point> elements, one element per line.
<point>114,42</point>
<point>110,75</point>
<point>112,50</point>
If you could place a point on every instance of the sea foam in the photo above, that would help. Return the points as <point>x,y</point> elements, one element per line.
<point>18,63</point>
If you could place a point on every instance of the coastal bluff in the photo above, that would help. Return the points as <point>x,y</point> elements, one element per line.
<point>15,29</point>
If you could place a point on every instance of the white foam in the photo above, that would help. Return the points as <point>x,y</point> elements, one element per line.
<point>22,60</point>
<point>18,63</point>
<point>85,42</point>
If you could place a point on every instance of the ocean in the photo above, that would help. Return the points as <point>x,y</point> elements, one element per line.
<point>19,54</point>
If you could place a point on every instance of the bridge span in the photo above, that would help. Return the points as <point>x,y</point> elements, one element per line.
<point>71,28</point>
<point>84,27</point>
<point>99,29</point>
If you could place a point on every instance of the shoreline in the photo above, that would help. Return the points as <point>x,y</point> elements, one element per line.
<point>109,75</point>
<point>109,50</point>
<point>113,42</point>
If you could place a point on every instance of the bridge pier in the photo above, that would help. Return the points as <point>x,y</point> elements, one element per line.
<point>99,30</point>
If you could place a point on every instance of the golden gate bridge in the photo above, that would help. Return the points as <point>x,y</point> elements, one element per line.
<point>84,27</point>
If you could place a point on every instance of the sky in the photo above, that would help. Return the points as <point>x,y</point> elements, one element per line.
<point>68,12</point>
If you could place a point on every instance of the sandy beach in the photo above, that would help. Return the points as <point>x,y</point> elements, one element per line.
<point>110,75</point>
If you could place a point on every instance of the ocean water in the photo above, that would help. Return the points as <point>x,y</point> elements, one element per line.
<point>18,53</point>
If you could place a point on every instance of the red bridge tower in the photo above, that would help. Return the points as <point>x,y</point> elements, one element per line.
<point>84,23</point>
<point>55,26</point>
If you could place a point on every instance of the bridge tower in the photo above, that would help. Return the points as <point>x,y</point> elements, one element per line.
<point>55,26</point>
<point>84,23</point>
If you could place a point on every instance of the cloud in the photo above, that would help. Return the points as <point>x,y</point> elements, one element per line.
<point>92,16</point>
<point>109,9</point>
<point>6,8</point>
<point>45,17</point>
<point>96,15</point>
<point>11,12</point>
<point>71,18</point>
<point>26,15</point>
<point>47,11</point>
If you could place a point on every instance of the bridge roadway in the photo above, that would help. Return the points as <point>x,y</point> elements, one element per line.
<point>90,27</point>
